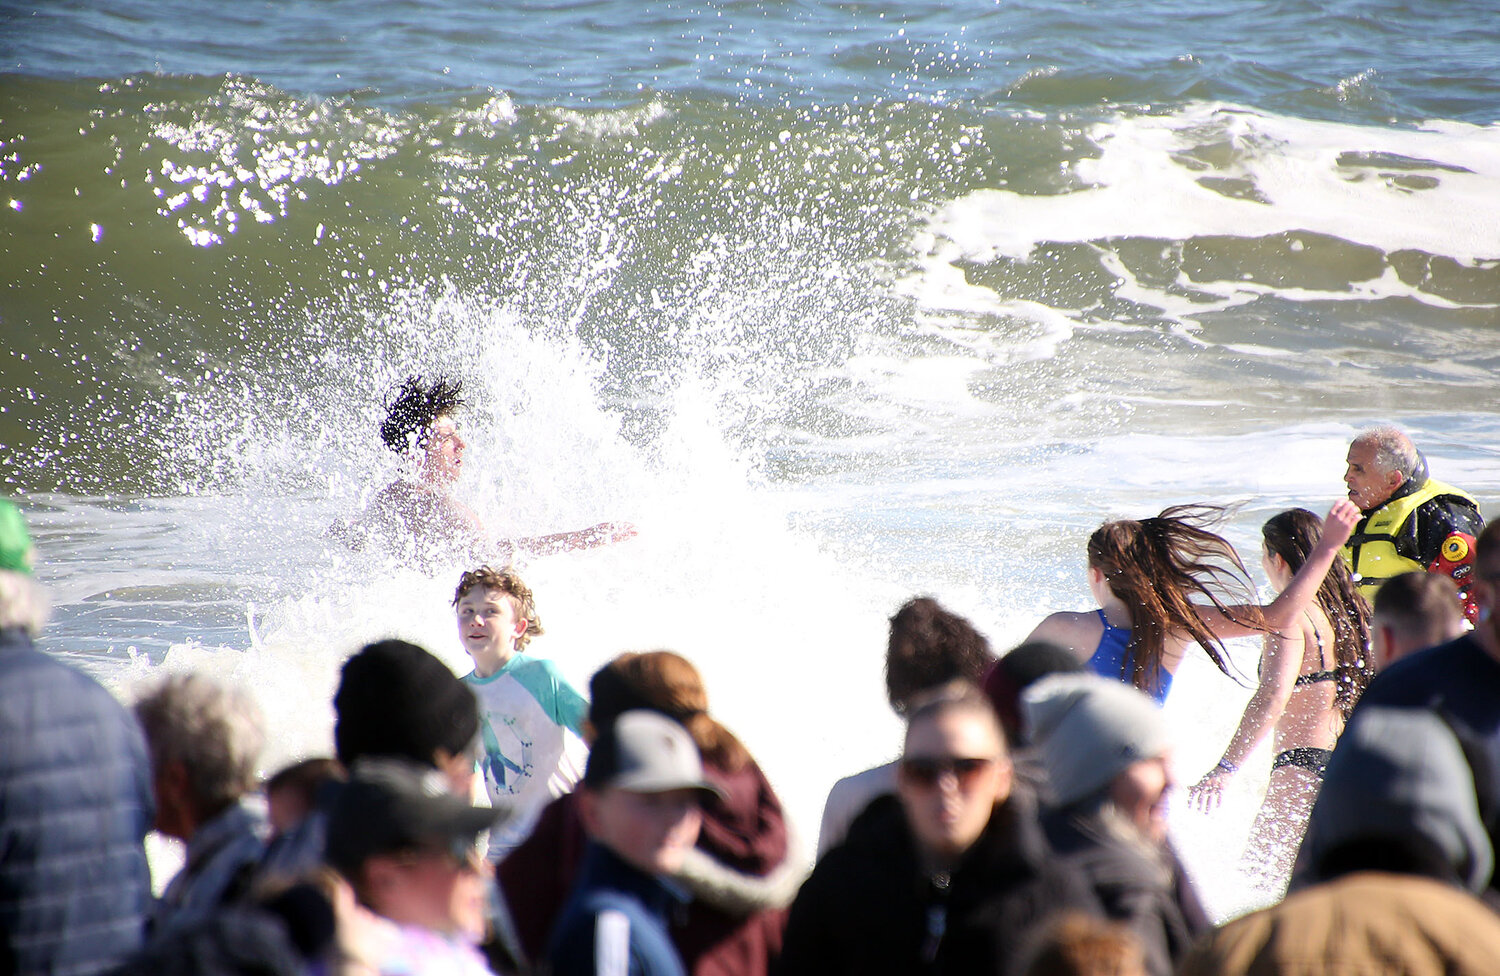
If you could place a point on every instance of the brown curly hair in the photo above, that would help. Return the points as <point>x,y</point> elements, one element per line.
<point>930,646</point>
<point>509,582</point>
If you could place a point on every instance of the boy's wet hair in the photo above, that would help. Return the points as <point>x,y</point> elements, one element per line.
<point>509,582</point>
<point>414,407</point>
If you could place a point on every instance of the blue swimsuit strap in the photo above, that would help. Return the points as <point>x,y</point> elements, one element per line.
<point>1107,625</point>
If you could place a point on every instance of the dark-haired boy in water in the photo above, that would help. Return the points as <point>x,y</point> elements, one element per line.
<point>420,424</point>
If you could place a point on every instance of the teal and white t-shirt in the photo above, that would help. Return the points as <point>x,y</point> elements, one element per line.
<point>531,720</point>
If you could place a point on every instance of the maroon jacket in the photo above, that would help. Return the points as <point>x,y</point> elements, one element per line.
<point>745,832</point>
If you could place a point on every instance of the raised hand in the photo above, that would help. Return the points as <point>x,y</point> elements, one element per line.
<point>1339,523</point>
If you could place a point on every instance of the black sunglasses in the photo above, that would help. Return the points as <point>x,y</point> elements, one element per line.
<point>927,770</point>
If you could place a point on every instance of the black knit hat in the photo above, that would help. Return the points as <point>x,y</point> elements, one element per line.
<point>396,699</point>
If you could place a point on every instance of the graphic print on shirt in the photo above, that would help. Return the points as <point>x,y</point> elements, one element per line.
<point>507,755</point>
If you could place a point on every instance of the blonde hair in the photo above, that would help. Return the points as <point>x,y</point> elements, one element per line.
<point>509,582</point>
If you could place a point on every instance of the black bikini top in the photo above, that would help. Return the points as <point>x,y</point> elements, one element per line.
<point>1313,677</point>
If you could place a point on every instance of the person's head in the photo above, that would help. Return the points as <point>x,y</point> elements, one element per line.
<point>291,792</point>
<point>1076,944</point>
<point>1484,587</point>
<point>1103,742</point>
<point>396,700</point>
<point>930,646</point>
<point>642,790</point>
<point>1287,539</point>
<point>1398,796</point>
<point>1412,612</point>
<point>496,616</point>
<point>409,847</point>
<point>954,770</point>
<point>1018,669</point>
<point>666,682</point>
<point>1155,566</point>
<point>204,739</point>
<point>21,602</point>
<point>1379,462</point>
<point>420,423</point>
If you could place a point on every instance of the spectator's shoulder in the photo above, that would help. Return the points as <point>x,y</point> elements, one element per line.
<point>1410,680</point>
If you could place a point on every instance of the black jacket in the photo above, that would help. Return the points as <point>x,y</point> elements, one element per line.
<point>869,908</point>
<point>1146,890</point>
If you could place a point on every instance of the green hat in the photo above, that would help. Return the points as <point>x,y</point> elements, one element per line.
<point>15,544</point>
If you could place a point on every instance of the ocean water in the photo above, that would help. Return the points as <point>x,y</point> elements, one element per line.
<point>839,302</point>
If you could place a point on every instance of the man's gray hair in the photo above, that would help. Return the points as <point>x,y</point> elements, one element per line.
<point>215,731</point>
<point>1394,451</point>
<point>22,602</point>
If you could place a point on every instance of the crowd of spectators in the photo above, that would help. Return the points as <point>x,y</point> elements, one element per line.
<point>505,822</point>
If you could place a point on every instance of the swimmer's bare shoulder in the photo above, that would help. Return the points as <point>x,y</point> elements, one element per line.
<point>1078,631</point>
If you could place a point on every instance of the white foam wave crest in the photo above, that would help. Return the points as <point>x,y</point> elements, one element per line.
<point>1213,170</point>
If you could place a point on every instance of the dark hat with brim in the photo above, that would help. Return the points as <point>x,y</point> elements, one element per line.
<point>389,805</point>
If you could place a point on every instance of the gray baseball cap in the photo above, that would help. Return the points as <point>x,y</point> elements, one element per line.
<point>646,752</point>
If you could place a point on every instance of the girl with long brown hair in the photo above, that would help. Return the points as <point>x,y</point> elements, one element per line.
<point>1311,674</point>
<point>1145,574</point>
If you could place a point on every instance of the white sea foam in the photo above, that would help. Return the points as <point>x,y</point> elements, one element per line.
<point>778,589</point>
<point>774,623</point>
<point>1429,189</point>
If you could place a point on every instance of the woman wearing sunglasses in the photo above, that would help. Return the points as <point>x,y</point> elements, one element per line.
<point>950,875</point>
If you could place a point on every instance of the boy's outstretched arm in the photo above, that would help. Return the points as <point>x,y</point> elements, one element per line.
<point>603,534</point>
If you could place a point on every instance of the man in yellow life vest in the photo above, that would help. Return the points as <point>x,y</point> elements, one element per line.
<point>1411,521</point>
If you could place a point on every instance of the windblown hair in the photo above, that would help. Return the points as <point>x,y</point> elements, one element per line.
<point>929,646</point>
<point>665,682</point>
<point>509,582</point>
<point>216,732</point>
<point>1394,451</point>
<point>1292,535</point>
<point>414,407</point>
<point>1155,565</point>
